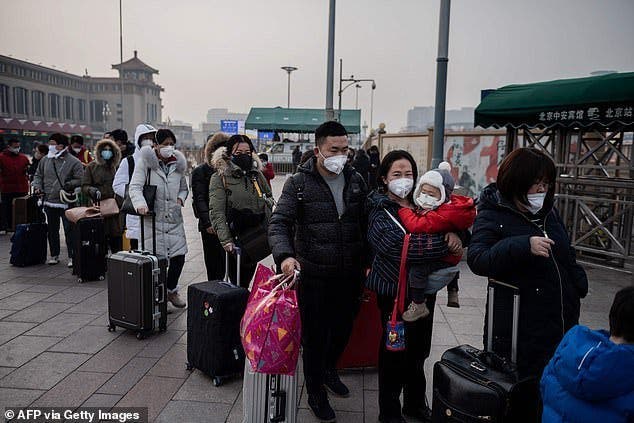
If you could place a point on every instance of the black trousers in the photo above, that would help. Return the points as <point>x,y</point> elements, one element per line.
<point>53,217</point>
<point>6,209</point>
<point>115,243</point>
<point>174,271</point>
<point>214,257</point>
<point>453,285</point>
<point>404,371</point>
<point>327,308</point>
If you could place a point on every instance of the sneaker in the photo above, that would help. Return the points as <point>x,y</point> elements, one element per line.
<point>452,299</point>
<point>415,312</point>
<point>321,408</point>
<point>53,260</point>
<point>335,385</point>
<point>70,263</point>
<point>176,300</point>
<point>423,413</point>
<point>3,232</point>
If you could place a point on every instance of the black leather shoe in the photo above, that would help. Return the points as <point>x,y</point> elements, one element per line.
<point>321,408</point>
<point>397,419</point>
<point>335,385</point>
<point>422,413</point>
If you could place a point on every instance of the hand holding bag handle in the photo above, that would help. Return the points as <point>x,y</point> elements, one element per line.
<point>149,194</point>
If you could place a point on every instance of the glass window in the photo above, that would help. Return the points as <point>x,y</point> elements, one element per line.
<point>53,106</point>
<point>81,110</point>
<point>4,99</point>
<point>68,108</point>
<point>37,103</point>
<point>96,110</point>
<point>19,101</point>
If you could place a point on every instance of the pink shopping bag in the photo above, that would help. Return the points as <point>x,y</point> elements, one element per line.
<point>271,327</point>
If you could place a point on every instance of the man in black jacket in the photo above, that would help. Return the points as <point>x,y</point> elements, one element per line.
<point>213,251</point>
<point>319,228</point>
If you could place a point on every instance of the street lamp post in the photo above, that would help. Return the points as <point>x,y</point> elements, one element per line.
<point>330,67</point>
<point>288,70</point>
<point>352,81</point>
<point>441,84</point>
<point>356,97</point>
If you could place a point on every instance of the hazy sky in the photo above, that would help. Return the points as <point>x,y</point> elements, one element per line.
<point>228,53</point>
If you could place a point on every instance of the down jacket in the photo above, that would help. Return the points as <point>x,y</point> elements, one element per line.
<point>171,185</point>
<point>550,288</point>
<point>238,194</point>
<point>70,172</point>
<point>310,229</point>
<point>386,240</point>
<point>98,176</point>
<point>590,379</point>
<point>13,172</point>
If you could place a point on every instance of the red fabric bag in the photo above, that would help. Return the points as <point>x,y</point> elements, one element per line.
<point>363,347</point>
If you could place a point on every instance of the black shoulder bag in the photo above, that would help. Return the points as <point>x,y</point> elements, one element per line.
<point>149,193</point>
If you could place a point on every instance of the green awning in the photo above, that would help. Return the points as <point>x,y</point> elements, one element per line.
<point>298,120</point>
<point>601,101</point>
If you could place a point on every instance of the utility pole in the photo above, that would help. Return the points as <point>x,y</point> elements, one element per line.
<point>121,61</point>
<point>330,70</point>
<point>288,70</point>
<point>441,84</point>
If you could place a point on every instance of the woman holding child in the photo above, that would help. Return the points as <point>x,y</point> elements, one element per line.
<point>428,251</point>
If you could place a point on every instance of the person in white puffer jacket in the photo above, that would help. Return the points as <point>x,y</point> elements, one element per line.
<point>144,135</point>
<point>164,167</point>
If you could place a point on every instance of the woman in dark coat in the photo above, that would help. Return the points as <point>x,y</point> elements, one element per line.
<point>361,164</point>
<point>400,371</point>
<point>519,238</point>
<point>97,184</point>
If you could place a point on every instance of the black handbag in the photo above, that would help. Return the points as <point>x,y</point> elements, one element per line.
<point>149,193</point>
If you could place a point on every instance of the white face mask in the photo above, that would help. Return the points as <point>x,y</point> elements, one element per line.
<point>52,151</point>
<point>146,143</point>
<point>76,150</point>
<point>167,152</point>
<point>427,201</point>
<point>335,164</point>
<point>536,202</point>
<point>401,186</point>
<point>15,150</point>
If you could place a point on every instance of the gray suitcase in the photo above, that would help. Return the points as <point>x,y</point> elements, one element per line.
<point>269,398</point>
<point>137,289</point>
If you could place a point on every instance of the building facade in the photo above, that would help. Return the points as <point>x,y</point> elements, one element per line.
<point>421,118</point>
<point>36,101</point>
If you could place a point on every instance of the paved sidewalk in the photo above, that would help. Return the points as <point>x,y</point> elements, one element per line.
<point>55,349</point>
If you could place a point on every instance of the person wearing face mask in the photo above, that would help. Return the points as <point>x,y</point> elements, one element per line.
<point>144,135</point>
<point>401,371</point>
<point>97,185</point>
<point>519,238</point>
<point>239,198</point>
<point>78,150</point>
<point>319,228</point>
<point>40,151</point>
<point>58,171</point>
<point>440,212</point>
<point>14,182</point>
<point>164,166</point>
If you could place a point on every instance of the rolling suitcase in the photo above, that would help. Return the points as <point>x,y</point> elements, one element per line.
<point>363,347</point>
<point>214,311</point>
<point>26,210</point>
<point>471,385</point>
<point>269,398</point>
<point>89,263</point>
<point>137,293</point>
<point>28,244</point>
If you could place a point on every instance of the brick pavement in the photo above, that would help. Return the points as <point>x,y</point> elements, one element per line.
<point>55,349</point>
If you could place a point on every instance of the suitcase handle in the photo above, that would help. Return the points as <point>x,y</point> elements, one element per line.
<point>515,323</point>
<point>153,215</point>
<point>238,252</point>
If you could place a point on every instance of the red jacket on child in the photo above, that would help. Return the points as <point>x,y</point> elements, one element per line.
<point>455,216</point>
<point>268,172</point>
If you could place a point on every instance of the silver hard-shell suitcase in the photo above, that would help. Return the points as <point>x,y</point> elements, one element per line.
<point>269,398</point>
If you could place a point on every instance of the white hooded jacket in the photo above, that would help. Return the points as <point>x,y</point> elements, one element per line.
<point>122,178</point>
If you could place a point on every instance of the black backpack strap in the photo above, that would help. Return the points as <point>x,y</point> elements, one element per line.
<point>130,160</point>
<point>298,183</point>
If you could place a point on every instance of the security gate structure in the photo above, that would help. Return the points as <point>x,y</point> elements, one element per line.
<point>586,126</point>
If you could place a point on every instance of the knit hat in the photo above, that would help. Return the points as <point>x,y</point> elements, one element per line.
<point>440,178</point>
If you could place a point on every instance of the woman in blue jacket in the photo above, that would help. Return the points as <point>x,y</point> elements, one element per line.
<point>591,377</point>
<point>519,238</point>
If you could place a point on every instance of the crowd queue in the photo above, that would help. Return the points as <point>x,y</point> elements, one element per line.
<point>341,221</point>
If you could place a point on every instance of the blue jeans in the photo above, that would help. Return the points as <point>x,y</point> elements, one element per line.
<point>53,216</point>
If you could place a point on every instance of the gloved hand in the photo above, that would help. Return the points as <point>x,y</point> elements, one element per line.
<point>94,193</point>
<point>68,187</point>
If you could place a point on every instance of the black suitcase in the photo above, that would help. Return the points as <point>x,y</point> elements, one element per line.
<point>137,292</point>
<point>471,385</point>
<point>89,263</point>
<point>214,311</point>
<point>28,244</point>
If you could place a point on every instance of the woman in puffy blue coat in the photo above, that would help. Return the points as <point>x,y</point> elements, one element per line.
<point>591,377</point>
<point>519,238</point>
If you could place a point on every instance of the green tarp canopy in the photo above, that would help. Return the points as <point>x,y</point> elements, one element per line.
<point>298,120</point>
<point>597,101</point>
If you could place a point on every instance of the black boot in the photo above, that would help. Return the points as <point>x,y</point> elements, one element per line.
<point>335,385</point>
<point>321,408</point>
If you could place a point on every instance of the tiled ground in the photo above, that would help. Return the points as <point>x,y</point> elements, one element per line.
<point>55,349</point>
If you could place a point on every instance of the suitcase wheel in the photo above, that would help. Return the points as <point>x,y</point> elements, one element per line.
<point>80,280</point>
<point>140,336</point>
<point>102,278</point>
<point>217,381</point>
<point>112,328</point>
<point>189,367</point>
